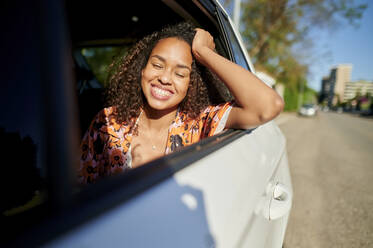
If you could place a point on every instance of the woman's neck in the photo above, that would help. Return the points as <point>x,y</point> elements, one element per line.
<point>157,120</point>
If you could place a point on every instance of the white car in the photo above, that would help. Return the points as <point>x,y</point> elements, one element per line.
<point>308,110</point>
<point>230,190</point>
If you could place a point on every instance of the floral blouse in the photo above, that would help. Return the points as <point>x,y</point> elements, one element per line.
<point>106,146</point>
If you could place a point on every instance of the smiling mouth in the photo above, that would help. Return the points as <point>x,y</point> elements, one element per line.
<point>161,94</point>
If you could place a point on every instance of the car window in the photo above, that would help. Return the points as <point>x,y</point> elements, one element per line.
<point>23,177</point>
<point>100,58</point>
<point>92,69</point>
<point>237,53</point>
<point>308,105</point>
<point>93,57</point>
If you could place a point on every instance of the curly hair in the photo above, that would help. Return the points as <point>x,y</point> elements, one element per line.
<point>124,91</point>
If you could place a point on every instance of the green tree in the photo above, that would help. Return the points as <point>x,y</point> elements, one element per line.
<point>272,29</point>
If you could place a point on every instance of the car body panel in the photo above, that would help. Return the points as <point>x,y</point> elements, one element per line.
<point>237,181</point>
<point>214,202</point>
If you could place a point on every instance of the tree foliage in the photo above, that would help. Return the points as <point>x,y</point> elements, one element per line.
<point>273,28</point>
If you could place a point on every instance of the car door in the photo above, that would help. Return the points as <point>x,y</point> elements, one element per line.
<point>267,224</point>
<point>230,190</point>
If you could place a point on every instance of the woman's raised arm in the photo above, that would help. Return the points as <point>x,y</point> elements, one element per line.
<point>256,103</point>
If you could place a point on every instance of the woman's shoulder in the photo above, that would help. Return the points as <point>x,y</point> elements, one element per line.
<point>210,112</point>
<point>107,112</point>
<point>107,117</point>
<point>217,108</point>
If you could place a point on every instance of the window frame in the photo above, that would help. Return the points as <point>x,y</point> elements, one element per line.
<point>168,165</point>
<point>226,26</point>
<point>70,210</point>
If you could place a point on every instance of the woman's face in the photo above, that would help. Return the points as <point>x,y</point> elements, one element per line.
<point>165,78</point>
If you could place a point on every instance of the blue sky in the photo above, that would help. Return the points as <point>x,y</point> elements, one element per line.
<point>346,45</point>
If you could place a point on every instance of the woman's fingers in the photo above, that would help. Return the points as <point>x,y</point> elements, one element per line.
<point>202,39</point>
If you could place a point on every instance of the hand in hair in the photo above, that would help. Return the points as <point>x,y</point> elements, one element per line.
<point>202,40</point>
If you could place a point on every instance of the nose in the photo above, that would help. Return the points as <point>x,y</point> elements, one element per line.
<point>165,77</point>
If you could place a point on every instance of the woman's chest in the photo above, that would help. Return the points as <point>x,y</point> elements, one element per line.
<point>146,146</point>
<point>144,150</point>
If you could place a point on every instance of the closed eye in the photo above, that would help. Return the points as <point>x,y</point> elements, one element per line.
<point>180,75</point>
<point>158,66</point>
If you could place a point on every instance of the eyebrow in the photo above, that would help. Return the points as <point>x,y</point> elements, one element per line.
<point>178,65</point>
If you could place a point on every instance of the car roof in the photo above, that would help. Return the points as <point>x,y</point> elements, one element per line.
<point>125,21</point>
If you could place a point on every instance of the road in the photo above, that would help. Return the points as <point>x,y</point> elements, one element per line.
<point>331,164</point>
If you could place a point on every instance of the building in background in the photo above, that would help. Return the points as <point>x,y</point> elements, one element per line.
<point>325,90</point>
<point>342,77</point>
<point>333,86</point>
<point>359,88</point>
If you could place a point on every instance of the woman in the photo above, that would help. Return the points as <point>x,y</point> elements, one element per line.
<point>159,102</point>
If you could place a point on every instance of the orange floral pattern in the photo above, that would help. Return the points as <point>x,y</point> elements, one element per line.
<point>105,148</point>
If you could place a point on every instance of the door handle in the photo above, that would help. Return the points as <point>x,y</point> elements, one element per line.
<point>277,201</point>
<point>280,203</point>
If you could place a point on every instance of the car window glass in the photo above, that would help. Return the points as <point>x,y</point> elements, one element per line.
<point>92,63</point>
<point>100,58</point>
<point>235,46</point>
<point>22,129</point>
<point>22,144</point>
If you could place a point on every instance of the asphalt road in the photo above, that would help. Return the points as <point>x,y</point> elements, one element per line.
<point>331,164</point>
